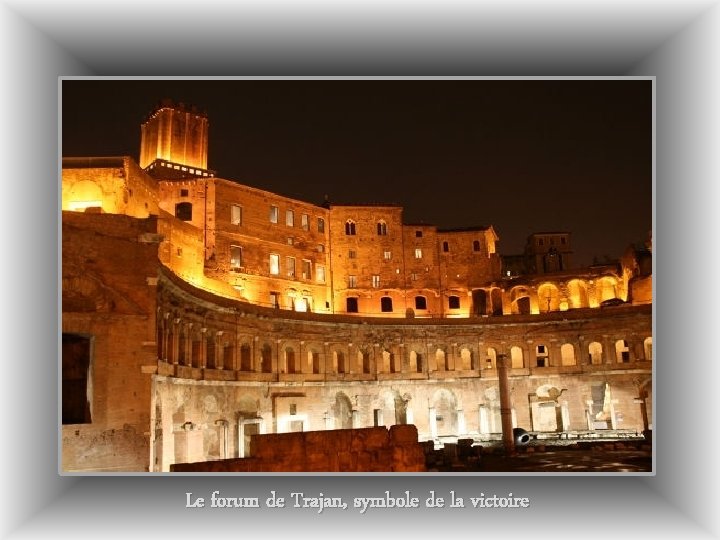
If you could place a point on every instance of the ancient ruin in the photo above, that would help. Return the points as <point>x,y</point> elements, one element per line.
<point>198,312</point>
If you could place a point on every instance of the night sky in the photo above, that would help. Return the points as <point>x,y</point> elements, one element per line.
<point>523,156</point>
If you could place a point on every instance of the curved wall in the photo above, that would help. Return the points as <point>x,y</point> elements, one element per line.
<point>228,369</point>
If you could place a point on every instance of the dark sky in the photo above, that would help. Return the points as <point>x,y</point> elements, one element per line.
<point>523,156</point>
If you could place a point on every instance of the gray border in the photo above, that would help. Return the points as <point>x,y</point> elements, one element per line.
<point>39,46</point>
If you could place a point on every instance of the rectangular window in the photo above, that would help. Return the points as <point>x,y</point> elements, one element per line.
<point>352,282</point>
<point>454,302</point>
<point>76,383</point>
<point>320,273</point>
<point>413,277</point>
<point>306,269</point>
<point>418,234</point>
<point>418,253</point>
<point>321,248</point>
<point>290,266</point>
<point>274,264</point>
<point>321,225</point>
<point>183,192</point>
<point>274,302</point>
<point>376,281</point>
<point>290,240</point>
<point>305,222</point>
<point>274,213</point>
<point>289,218</point>
<point>236,214</point>
<point>352,254</point>
<point>236,257</point>
<point>387,255</point>
<point>351,305</point>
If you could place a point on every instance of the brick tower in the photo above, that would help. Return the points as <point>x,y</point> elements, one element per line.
<point>174,141</point>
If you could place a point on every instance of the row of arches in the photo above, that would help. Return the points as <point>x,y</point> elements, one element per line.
<point>185,345</point>
<point>546,297</point>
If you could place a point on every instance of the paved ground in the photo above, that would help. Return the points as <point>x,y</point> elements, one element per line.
<point>596,457</point>
<point>570,461</point>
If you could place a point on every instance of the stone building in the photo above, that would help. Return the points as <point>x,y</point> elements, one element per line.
<point>198,311</point>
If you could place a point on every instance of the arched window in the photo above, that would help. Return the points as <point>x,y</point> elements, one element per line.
<point>420,302</point>
<point>382,228</point>
<point>441,360</point>
<point>290,360</point>
<point>266,359</point>
<point>491,360</point>
<point>350,227</point>
<point>647,344</point>
<point>595,351</point>
<point>386,304</point>
<point>476,245</point>
<point>567,354</point>
<point>622,351</point>
<point>183,211</point>
<point>542,356</point>
<point>245,358</point>
<point>466,359</point>
<point>516,357</point>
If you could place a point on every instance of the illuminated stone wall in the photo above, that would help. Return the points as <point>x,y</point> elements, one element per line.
<point>109,273</point>
<point>112,185</point>
<point>246,369</point>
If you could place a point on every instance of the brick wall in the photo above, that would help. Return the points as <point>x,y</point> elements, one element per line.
<point>344,450</point>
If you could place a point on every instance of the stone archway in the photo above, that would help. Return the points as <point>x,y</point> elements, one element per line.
<point>342,411</point>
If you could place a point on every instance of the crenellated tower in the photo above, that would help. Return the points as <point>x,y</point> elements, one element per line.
<point>174,142</point>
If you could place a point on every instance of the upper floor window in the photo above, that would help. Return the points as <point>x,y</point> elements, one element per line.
<point>184,193</point>
<point>446,247</point>
<point>290,266</point>
<point>321,225</point>
<point>382,228</point>
<point>376,281</point>
<point>289,218</point>
<point>274,214</point>
<point>352,282</point>
<point>236,256</point>
<point>183,211</point>
<point>476,245</point>
<point>274,264</point>
<point>306,269</point>
<point>236,214</point>
<point>305,222</point>
<point>387,255</point>
<point>352,254</point>
<point>350,227</point>
<point>418,253</point>
<point>418,234</point>
<point>320,273</point>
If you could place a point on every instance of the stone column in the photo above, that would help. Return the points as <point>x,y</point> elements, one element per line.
<point>505,406</point>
